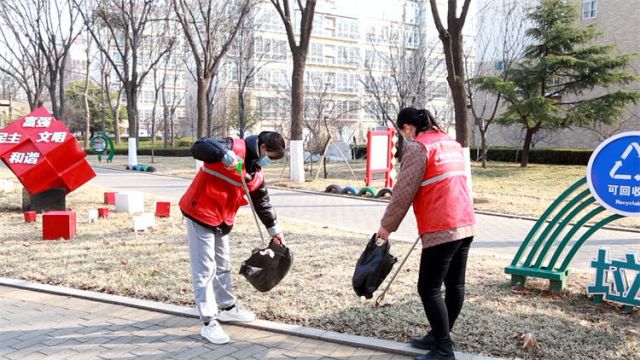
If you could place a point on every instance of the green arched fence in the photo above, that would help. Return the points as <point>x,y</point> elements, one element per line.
<point>552,243</point>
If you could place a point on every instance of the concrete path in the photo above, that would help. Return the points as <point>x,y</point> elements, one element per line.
<point>496,234</point>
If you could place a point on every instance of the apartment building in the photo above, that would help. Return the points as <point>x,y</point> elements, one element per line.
<point>352,42</point>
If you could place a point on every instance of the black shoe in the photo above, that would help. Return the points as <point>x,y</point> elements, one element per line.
<point>436,355</point>
<point>426,342</point>
<point>439,352</point>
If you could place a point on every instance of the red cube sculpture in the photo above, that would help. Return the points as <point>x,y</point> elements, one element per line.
<point>103,213</point>
<point>58,224</point>
<point>110,198</point>
<point>30,216</point>
<point>163,209</point>
<point>43,154</point>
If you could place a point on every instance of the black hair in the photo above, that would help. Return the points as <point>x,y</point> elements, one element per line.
<point>422,119</point>
<point>274,143</point>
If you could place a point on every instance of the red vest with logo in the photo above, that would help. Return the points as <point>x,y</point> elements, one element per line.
<point>443,201</point>
<point>216,194</point>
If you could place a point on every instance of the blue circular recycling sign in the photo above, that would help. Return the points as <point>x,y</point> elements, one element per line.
<point>613,174</point>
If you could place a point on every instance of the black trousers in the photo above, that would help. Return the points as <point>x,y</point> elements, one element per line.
<point>443,263</point>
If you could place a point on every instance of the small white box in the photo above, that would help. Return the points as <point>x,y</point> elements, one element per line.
<point>130,202</point>
<point>149,219</point>
<point>139,223</point>
<point>93,215</point>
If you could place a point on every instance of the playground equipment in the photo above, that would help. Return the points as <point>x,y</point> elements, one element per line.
<point>101,143</point>
<point>367,191</point>
<point>144,168</point>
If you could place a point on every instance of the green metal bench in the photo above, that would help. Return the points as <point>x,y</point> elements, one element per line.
<point>547,250</point>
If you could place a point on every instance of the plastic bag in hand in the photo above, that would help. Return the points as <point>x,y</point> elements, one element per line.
<point>265,268</point>
<point>372,267</point>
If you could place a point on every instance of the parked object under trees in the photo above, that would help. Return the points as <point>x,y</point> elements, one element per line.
<point>552,86</point>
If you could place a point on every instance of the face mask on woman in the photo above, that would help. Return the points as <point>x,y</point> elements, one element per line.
<point>264,161</point>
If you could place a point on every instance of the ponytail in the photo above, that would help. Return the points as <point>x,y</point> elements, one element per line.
<point>422,119</point>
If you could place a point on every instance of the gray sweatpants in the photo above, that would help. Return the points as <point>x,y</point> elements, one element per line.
<point>210,270</point>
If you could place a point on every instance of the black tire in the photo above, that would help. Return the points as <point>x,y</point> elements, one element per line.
<point>334,189</point>
<point>383,193</point>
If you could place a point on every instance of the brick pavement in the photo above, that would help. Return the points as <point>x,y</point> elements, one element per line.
<point>35,325</point>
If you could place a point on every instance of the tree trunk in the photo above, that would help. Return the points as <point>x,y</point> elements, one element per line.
<point>116,124</point>
<point>203,84</point>
<point>61,84</point>
<point>297,96</point>
<point>165,133</point>
<point>524,161</point>
<point>132,110</point>
<point>483,140</point>
<point>87,120</point>
<point>54,100</point>
<point>241,114</point>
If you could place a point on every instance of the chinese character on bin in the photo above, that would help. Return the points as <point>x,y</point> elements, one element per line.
<point>30,158</point>
<point>612,281</point>
<point>13,138</point>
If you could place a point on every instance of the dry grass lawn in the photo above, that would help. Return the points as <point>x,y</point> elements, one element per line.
<point>109,257</point>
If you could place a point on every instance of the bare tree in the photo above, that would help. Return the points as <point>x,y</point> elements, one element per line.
<point>171,99</point>
<point>299,48</point>
<point>85,95</point>
<point>500,43</point>
<point>248,56</point>
<point>604,131</point>
<point>209,28</point>
<point>20,56</point>
<point>400,69</point>
<point>139,39</point>
<point>56,28</point>
<point>451,38</point>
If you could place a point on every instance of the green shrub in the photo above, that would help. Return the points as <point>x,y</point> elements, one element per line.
<point>538,156</point>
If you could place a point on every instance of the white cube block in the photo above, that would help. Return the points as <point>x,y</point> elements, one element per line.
<point>6,186</point>
<point>93,215</point>
<point>149,219</point>
<point>130,201</point>
<point>139,223</point>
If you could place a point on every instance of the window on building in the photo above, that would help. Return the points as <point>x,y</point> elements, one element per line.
<point>329,54</point>
<point>330,81</point>
<point>315,53</point>
<point>329,26</point>
<point>345,83</point>
<point>589,9</point>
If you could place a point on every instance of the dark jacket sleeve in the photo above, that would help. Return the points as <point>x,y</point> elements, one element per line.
<point>266,213</point>
<point>210,150</point>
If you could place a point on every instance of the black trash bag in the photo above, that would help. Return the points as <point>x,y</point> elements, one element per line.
<point>372,268</point>
<point>265,268</point>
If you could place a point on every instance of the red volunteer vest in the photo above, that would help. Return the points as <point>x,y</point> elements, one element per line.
<point>443,200</point>
<point>216,194</point>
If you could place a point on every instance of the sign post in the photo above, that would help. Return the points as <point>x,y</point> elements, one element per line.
<point>102,143</point>
<point>381,150</point>
<point>613,175</point>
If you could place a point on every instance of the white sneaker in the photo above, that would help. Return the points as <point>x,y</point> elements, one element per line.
<point>214,333</point>
<point>236,314</point>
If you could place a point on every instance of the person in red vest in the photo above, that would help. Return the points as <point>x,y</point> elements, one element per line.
<point>433,179</point>
<point>209,206</point>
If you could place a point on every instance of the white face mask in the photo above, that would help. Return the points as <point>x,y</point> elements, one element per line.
<point>264,161</point>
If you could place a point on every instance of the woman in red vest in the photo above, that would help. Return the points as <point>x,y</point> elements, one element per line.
<point>433,179</point>
<point>210,205</point>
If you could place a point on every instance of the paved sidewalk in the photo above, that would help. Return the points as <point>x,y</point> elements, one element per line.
<point>497,235</point>
<point>36,325</point>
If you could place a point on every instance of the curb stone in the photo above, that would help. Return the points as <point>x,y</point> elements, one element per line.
<point>287,329</point>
